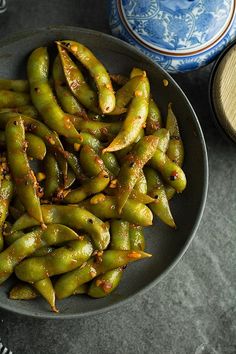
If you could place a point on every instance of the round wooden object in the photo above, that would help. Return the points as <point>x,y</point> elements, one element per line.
<point>224,92</point>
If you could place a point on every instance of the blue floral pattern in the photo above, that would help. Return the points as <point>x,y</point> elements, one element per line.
<point>174,25</point>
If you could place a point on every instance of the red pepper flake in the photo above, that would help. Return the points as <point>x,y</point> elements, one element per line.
<point>174,175</point>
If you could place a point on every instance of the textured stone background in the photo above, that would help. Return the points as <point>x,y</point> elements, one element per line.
<point>193,309</point>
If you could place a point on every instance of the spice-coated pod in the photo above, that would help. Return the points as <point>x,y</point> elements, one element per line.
<point>42,95</point>
<point>106,208</point>
<point>71,216</point>
<point>61,260</point>
<point>98,72</point>
<point>66,285</point>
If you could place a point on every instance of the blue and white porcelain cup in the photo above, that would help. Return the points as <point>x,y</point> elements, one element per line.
<point>180,35</point>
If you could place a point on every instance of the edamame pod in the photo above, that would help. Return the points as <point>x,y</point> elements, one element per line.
<point>10,99</point>
<point>6,193</point>
<point>14,85</point>
<point>132,167</point>
<point>136,237</point>
<point>61,260</point>
<point>91,162</point>
<point>72,216</point>
<point>120,235</point>
<point>98,72</point>
<point>126,92</point>
<point>101,130</point>
<point>23,291</point>
<point>106,208</point>
<point>43,251</point>
<point>50,138</point>
<point>29,243</point>
<point>68,102</point>
<point>52,172</point>
<point>67,284</point>
<point>26,110</point>
<point>141,184</point>
<point>156,189</point>
<point>175,149</point>
<point>24,178</point>
<point>106,283</point>
<point>42,95</point>
<point>76,82</point>
<point>135,118</point>
<point>36,146</point>
<point>92,186</point>
<point>154,119</point>
<point>169,170</point>
<point>46,290</point>
<point>70,179</point>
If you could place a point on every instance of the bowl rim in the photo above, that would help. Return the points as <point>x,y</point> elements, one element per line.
<point>30,33</point>
<point>216,120</point>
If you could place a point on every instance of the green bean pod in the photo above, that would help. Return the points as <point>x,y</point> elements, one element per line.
<point>24,178</point>
<point>91,162</point>
<point>14,85</point>
<point>76,82</point>
<point>175,149</point>
<point>26,110</point>
<point>61,260</point>
<point>156,189</point>
<point>6,193</point>
<point>136,237</point>
<point>67,284</point>
<point>10,99</point>
<point>23,291</point>
<point>92,186</point>
<point>98,72</point>
<point>133,211</point>
<point>43,97</point>
<point>106,283</point>
<point>135,118</point>
<point>52,181</point>
<point>132,167</point>
<point>72,216</point>
<point>46,290</point>
<point>67,100</point>
<point>29,243</point>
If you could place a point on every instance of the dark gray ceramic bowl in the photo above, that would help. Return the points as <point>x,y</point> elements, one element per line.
<point>166,245</point>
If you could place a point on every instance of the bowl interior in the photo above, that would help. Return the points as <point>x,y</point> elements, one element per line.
<point>165,244</point>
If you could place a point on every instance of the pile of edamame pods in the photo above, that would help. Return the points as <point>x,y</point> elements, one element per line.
<point>86,160</point>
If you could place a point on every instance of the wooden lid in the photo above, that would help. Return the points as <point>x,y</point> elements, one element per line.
<point>224,92</point>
